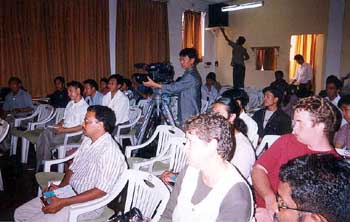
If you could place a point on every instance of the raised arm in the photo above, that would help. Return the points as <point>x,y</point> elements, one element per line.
<point>224,34</point>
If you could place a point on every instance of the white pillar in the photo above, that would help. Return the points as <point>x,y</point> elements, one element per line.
<point>112,33</point>
<point>334,37</point>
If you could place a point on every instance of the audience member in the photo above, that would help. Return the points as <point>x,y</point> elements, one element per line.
<point>93,96</point>
<point>304,75</point>
<point>271,119</point>
<point>18,102</point>
<point>313,188</point>
<point>104,86</point>
<point>315,122</point>
<point>333,87</point>
<point>209,188</point>
<point>127,88</point>
<point>244,156</point>
<point>96,167</point>
<point>342,137</point>
<point>116,100</point>
<point>209,91</point>
<point>279,82</point>
<point>189,86</point>
<point>242,98</point>
<point>239,55</point>
<point>74,114</point>
<point>290,98</point>
<point>59,98</point>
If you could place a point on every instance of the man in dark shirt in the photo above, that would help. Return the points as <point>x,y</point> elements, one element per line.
<point>280,83</point>
<point>59,98</point>
<point>239,55</point>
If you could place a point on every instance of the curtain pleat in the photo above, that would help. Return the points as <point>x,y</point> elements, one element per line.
<point>40,39</point>
<point>192,35</point>
<point>142,34</point>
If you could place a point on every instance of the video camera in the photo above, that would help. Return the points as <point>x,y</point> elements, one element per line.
<point>158,72</point>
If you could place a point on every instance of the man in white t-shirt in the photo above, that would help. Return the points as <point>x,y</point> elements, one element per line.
<point>74,114</point>
<point>304,74</point>
<point>117,100</point>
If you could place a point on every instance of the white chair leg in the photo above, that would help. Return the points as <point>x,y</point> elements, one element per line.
<point>61,154</point>
<point>25,150</point>
<point>13,148</point>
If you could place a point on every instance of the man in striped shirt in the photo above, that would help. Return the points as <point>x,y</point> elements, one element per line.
<point>96,168</point>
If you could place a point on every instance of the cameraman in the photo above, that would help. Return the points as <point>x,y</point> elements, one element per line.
<point>188,88</point>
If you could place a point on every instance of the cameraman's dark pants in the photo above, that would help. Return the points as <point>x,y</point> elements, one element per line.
<point>238,76</point>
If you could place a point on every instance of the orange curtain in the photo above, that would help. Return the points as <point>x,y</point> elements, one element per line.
<point>304,45</point>
<point>41,39</point>
<point>266,58</point>
<point>142,34</point>
<point>192,33</point>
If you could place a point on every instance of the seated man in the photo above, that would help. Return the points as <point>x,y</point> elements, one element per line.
<point>18,102</point>
<point>116,100</point>
<point>72,120</point>
<point>272,120</point>
<point>209,91</point>
<point>313,188</point>
<point>104,86</point>
<point>93,96</point>
<point>59,98</point>
<point>96,168</point>
<point>315,122</point>
<point>333,87</point>
<point>279,82</point>
<point>342,137</point>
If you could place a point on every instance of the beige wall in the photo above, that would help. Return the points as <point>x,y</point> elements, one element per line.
<point>345,57</point>
<point>270,25</point>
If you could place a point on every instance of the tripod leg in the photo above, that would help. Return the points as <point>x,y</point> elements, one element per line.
<point>167,114</point>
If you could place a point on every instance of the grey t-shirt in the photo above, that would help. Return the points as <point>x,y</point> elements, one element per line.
<point>236,206</point>
<point>239,53</point>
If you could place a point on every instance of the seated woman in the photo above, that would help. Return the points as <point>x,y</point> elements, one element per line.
<point>209,188</point>
<point>244,156</point>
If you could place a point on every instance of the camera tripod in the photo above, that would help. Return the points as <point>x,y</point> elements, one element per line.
<point>157,109</point>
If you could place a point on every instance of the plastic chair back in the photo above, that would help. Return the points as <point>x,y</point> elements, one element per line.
<point>267,140</point>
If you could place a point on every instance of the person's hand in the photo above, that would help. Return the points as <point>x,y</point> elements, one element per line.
<point>263,215</point>
<point>166,176</point>
<point>56,204</point>
<point>59,129</point>
<point>149,83</point>
<point>51,187</point>
<point>222,29</point>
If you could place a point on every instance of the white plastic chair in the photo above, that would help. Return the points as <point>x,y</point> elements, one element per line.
<point>205,105</point>
<point>57,116</point>
<point>164,132</point>
<point>5,126</point>
<point>173,158</point>
<point>147,193</point>
<point>267,140</point>
<point>134,117</point>
<point>42,112</point>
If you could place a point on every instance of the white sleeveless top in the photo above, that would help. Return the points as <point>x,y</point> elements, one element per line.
<point>208,209</point>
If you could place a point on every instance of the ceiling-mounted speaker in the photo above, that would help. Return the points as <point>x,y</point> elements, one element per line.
<point>217,18</point>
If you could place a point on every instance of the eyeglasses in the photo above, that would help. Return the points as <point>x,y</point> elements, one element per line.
<point>87,121</point>
<point>282,205</point>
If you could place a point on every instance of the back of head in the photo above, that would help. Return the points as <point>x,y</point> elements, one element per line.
<point>191,53</point>
<point>322,111</point>
<point>59,78</point>
<point>298,57</point>
<point>76,85</point>
<point>240,40</point>
<point>211,76</point>
<point>105,115</point>
<point>237,94</point>
<point>14,79</point>
<point>209,126</point>
<point>104,79</point>
<point>279,74</point>
<point>320,184</point>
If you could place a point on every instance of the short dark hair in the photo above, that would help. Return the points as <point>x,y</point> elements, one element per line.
<point>279,73</point>
<point>232,107</point>
<point>191,53</point>
<point>211,76</point>
<point>332,79</point>
<point>14,79</point>
<point>105,115</point>
<point>59,78</point>
<point>76,85</point>
<point>237,94</point>
<point>275,92</point>
<point>127,82</point>
<point>209,126</point>
<point>344,100</point>
<point>117,77</point>
<point>298,57</point>
<point>320,184</point>
<point>104,79</point>
<point>92,83</point>
<point>240,40</point>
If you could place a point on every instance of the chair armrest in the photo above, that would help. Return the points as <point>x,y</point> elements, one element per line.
<point>128,149</point>
<point>49,163</point>
<point>19,120</point>
<point>164,155</point>
<point>32,126</point>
